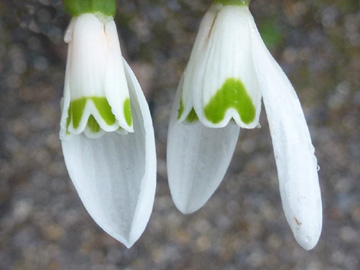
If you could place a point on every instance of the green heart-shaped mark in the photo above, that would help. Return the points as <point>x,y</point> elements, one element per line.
<point>232,94</point>
<point>77,107</point>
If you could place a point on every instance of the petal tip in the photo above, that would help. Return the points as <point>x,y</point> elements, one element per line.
<point>186,209</point>
<point>307,242</point>
<point>187,205</point>
<point>307,235</point>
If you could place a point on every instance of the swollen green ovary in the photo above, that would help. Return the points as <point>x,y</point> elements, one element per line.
<point>77,107</point>
<point>232,95</point>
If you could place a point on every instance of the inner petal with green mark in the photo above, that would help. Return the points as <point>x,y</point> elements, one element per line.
<point>232,94</point>
<point>127,112</point>
<point>93,124</point>
<point>191,117</point>
<point>77,107</point>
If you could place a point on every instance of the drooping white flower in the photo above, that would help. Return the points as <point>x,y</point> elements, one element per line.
<point>106,130</point>
<point>229,70</point>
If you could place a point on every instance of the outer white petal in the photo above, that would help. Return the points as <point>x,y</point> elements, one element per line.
<point>65,102</point>
<point>116,88</point>
<point>197,159</point>
<point>227,56</point>
<point>115,175</point>
<point>199,48</point>
<point>69,30</point>
<point>294,152</point>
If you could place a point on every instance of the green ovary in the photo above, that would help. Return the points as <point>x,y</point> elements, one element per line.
<point>77,107</point>
<point>232,94</point>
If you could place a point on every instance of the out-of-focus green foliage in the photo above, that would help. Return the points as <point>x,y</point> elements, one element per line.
<point>271,33</point>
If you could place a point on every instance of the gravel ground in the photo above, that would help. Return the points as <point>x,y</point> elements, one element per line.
<point>43,224</point>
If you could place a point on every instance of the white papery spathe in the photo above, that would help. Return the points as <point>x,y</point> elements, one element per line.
<point>113,172</point>
<point>199,152</point>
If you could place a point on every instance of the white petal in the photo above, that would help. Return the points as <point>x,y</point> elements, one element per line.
<point>196,53</point>
<point>69,30</point>
<point>65,102</point>
<point>116,88</point>
<point>224,84</point>
<point>294,152</point>
<point>88,57</point>
<point>115,175</point>
<point>197,159</point>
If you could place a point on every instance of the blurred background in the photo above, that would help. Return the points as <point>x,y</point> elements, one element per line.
<point>43,224</point>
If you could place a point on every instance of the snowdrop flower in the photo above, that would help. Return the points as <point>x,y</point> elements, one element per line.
<point>106,128</point>
<point>228,73</point>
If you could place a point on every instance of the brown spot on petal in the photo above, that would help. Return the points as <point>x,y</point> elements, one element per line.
<point>297,221</point>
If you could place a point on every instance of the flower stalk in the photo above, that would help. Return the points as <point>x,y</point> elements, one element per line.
<point>78,7</point>
<point>232,2</point>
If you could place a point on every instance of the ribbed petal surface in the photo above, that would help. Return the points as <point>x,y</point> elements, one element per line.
<point>294,152</point>
<point>225,86</point>
<point>197,159</point>
<point>115,175</point>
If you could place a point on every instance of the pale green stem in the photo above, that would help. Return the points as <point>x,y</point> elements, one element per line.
<point>77,7</point>
<point>232,2</point>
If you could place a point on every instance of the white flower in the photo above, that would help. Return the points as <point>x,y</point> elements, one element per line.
<point>106,130</point>
<point>229,71</point>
